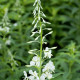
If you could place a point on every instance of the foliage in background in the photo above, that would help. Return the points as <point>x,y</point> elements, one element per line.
<point>64,16</point>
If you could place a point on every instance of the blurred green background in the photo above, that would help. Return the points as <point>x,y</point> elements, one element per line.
<point>64,16</point>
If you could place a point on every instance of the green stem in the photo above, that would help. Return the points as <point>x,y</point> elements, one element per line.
<point>40,51</point>
<point>41,42</point>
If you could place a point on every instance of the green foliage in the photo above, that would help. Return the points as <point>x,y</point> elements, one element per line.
<point>68,61</point>
<point>64,16</point>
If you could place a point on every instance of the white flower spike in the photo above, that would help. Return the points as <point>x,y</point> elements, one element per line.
<point>43,72</point>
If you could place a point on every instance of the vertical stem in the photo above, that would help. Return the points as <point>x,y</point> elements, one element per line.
<point>40,51</point>
<point>41,42</point>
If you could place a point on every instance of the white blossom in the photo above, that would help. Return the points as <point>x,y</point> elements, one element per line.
<point>31,78</point>
<point>39,26</point>
<point>1,29</point>
<point>6,29</point>
<point>25,74</point>
<point>49,67</point>
<point>35,61</point>
<point>15,24</point>
<point>8,42</point>
<point>47,53</point>
<point>43,77</point>
<point>48,75</point>
<point>34,75</point>
<point>32,63</point>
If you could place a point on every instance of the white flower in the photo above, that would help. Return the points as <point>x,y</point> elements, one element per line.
<point>10,54</point>
<point>47,53</point>
<point>49,67</point>
<point>35,61</point>
<point>32,63</point>
<point>31,77</point>
<point>25,74</point>
<point>48,75</point>
<point>43,76</point>
<point>6,29</point>
<point>1,29</point>
<point>8,42</point>
<point>45,71</point>
<point>34,75</point>
<point>15,24</point>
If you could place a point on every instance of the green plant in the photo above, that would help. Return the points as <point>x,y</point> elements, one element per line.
<point>44,71</point>
<point>67,62</point>
<point>64,16</point>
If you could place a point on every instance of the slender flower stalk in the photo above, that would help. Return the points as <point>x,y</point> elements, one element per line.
<point>5,30</point>
<point>40,51</point>
<point>44,71</point>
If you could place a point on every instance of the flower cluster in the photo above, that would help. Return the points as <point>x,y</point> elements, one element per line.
<point>35,61</point>
<point>5,29</point>
<point>6,37</point>
<point>44,71</point>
